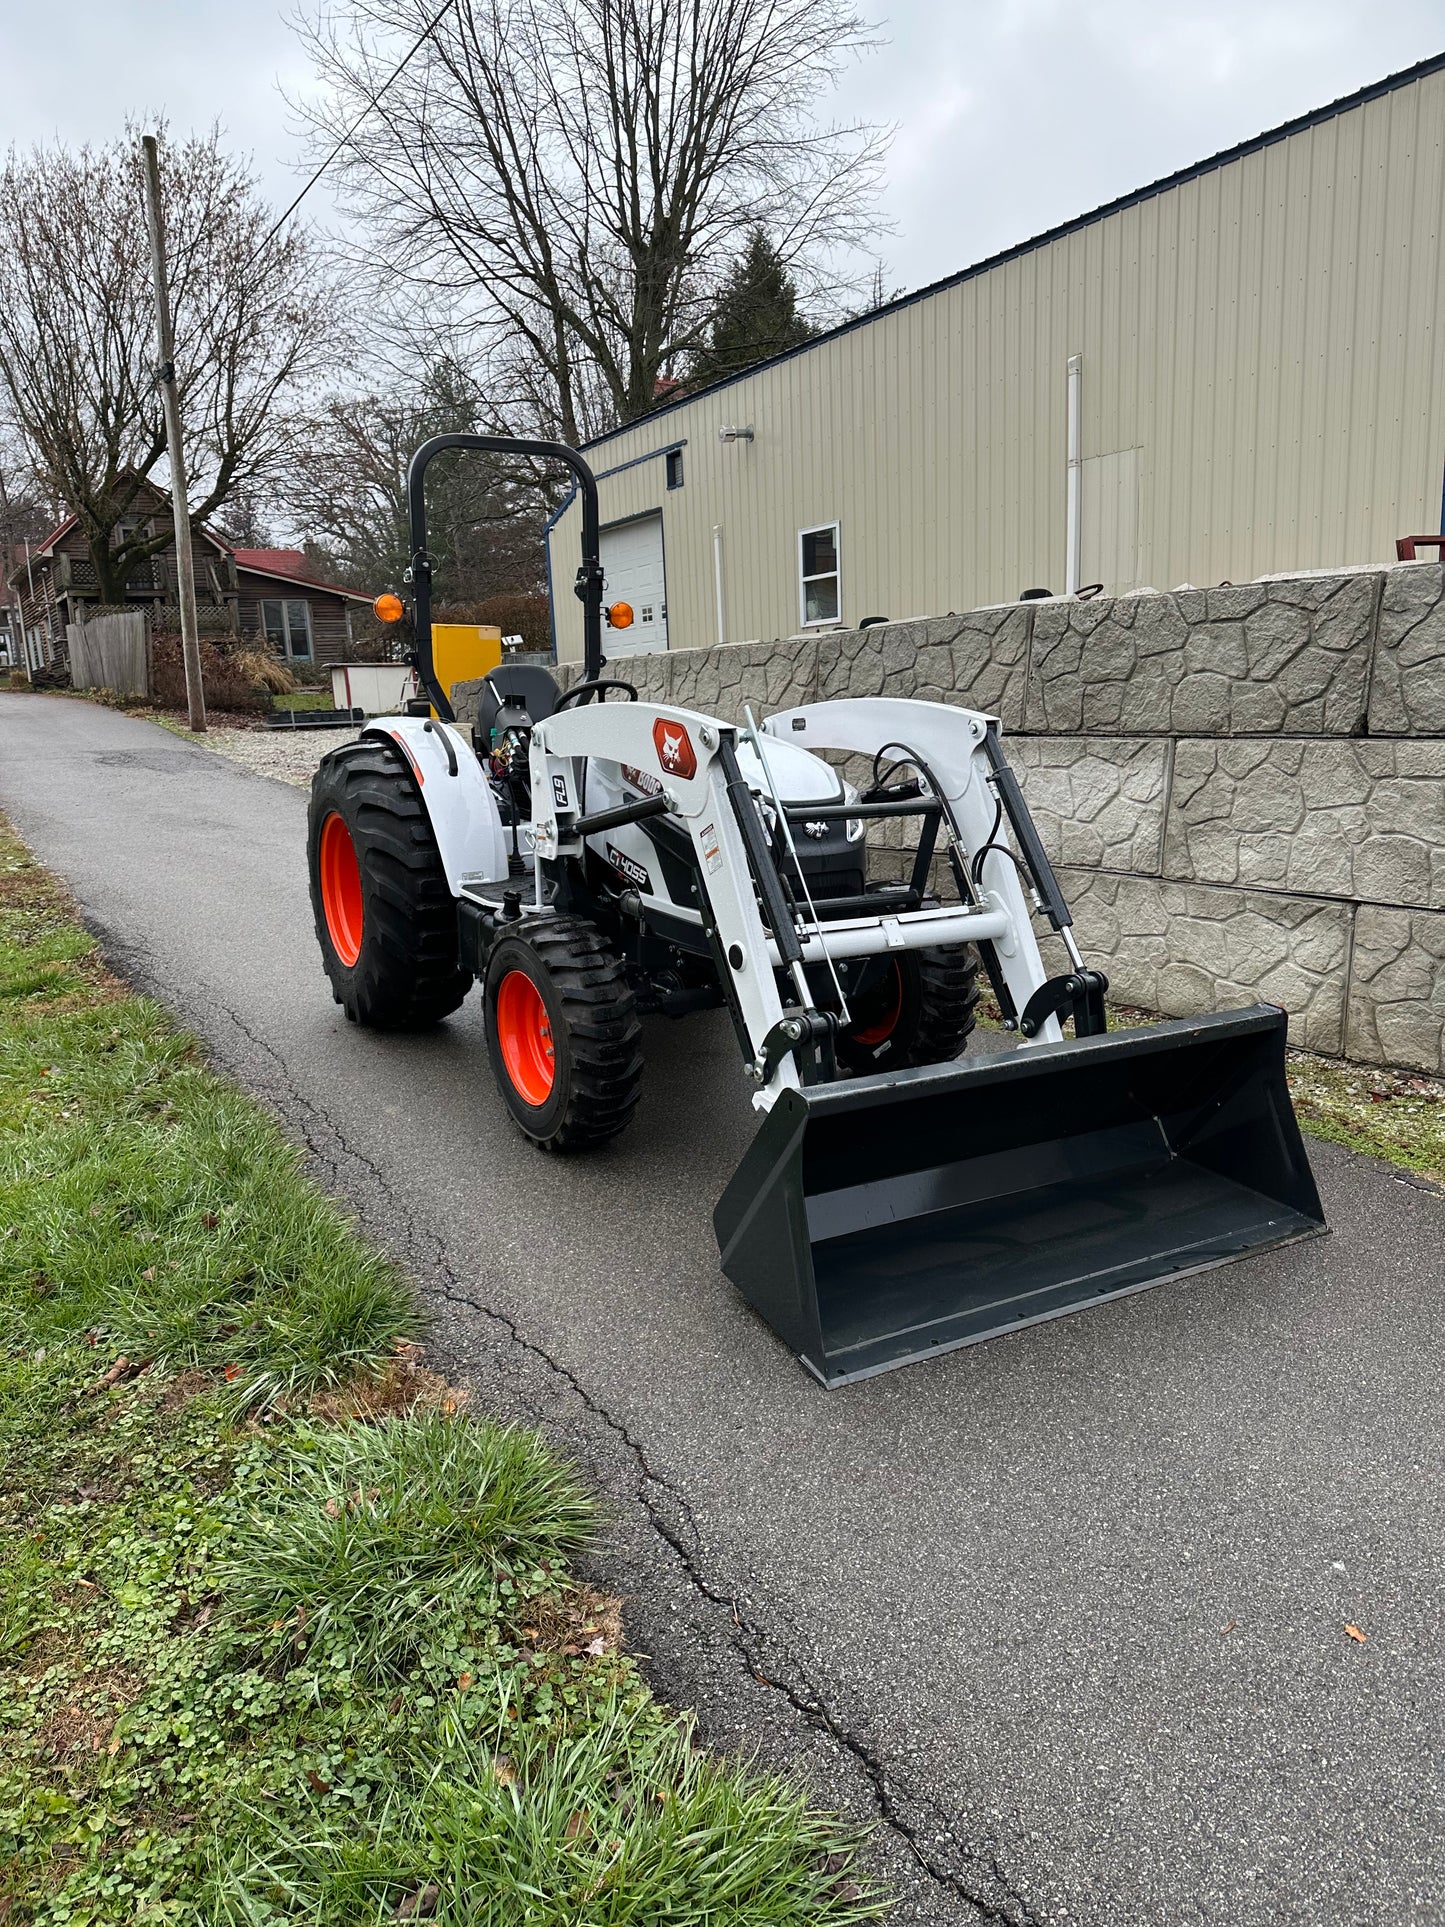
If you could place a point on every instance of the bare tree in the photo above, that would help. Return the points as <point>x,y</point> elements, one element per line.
<point>26,512</point>
<point>589,170</point>
<point>347,487</point>
<point>245,520</point>
<point>77,333</point>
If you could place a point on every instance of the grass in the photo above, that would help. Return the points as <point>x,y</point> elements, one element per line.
<point>373,1537</point>
<point>304,699</point>
<point>1395,1115</point>
<point>285,1635</point>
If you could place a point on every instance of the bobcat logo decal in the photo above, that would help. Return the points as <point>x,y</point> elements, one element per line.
<point>675,752</point>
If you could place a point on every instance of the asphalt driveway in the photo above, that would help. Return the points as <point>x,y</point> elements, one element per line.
<point>1064,1614</point>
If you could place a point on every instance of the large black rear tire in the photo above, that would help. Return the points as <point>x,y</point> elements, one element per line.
<point>922,1011</point>
<point>562,1032</point>
<point>385,917</point>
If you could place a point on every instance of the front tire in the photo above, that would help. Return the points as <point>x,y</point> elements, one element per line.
<point>922,1012</point>
<point>562,1033</point>
<point>385,917</point>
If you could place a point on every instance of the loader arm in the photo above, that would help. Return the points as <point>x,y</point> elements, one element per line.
<point>960,748</point>
<point>754,931</point>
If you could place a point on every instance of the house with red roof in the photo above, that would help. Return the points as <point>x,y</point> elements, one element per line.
<point>267,598</point>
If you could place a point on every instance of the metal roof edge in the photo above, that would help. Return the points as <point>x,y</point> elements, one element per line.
<point>1317,116</point>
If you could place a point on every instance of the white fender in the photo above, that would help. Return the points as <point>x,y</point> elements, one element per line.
<point>464,816</point>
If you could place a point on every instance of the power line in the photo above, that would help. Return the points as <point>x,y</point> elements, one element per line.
<point>371,101</point>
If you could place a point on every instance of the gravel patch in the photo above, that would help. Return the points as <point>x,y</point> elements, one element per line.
<point>288,756</point>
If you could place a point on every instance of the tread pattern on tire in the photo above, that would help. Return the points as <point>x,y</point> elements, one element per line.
<point>604,1033</point>
<point>407,976</point>
<point>948,1004</point>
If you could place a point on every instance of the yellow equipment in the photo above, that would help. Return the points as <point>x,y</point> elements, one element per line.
<point>464,652</point>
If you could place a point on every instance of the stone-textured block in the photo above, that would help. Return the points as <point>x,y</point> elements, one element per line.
<point>1397,989</point>
<point>1363,818</point>
<point>979,660</point>
<point>465,696</point>
<point>650,676</point>
<point>1408,690</point>
<point>1183,948</point>
<point>1290,655</point>
<point>767,675</point>
<point>1097,800</point>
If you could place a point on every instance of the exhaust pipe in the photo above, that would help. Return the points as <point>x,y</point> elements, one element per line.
<point>885,1219</point>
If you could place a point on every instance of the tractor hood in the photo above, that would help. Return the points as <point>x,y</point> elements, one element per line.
<point>798,776</point>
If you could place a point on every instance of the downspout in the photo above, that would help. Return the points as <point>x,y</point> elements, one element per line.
<point>717,572</point>
<point>552,520</point>
<point>1074,494</point>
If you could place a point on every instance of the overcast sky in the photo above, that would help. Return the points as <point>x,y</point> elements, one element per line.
<point>1012,115</point>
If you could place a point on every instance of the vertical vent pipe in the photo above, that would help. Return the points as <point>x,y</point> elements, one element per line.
<point>1074,498</point>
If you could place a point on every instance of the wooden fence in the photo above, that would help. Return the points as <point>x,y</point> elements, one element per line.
<point>111,652</point>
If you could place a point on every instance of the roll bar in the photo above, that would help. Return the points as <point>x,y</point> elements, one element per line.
<point>589,575</point>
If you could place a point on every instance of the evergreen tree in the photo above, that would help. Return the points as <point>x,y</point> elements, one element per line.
<point>756,315</point>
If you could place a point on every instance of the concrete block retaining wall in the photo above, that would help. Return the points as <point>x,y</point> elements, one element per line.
<point>1243,788</point>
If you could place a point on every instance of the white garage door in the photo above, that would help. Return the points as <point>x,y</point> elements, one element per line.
<point>632,572</point>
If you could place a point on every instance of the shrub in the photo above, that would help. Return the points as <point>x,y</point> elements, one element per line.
<point>265,671</point>
<point>228,684</point>
<point>527,616</point>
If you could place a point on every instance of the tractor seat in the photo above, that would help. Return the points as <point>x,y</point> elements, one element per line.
<point>522,685</point>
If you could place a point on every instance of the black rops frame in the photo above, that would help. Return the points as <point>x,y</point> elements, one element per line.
<point>589,575</point>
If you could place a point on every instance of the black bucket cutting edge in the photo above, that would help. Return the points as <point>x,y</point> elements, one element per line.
<point>882,1220</point>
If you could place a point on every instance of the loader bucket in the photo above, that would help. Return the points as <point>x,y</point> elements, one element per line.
<point>885,1219</point>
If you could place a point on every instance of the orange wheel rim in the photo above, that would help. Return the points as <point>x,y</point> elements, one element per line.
<point>341,889</point>
<point>524,1036</point>
<point>884,1026</point>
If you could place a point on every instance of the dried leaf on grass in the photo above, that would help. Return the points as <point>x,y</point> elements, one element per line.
<point>581,1622</point>
<point>398,1388</point>
<point>419,1905</point>
<point>124,1368</point>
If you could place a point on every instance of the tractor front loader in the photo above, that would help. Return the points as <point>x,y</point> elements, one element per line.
<point>589,857</point>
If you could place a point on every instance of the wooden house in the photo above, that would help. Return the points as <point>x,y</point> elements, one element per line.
<point>268,597</point>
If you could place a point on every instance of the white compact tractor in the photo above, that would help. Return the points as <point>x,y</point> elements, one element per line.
<point>589,857</point>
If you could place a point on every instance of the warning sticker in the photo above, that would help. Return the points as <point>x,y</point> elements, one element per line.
<point>711,854</point>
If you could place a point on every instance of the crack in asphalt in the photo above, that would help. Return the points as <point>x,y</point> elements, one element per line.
<point>984,1888</point>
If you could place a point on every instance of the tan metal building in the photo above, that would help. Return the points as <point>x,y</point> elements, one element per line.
<point>1237,370</point>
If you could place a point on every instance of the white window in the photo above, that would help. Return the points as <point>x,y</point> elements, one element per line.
<point>819,585</point>
<point>287,627</point>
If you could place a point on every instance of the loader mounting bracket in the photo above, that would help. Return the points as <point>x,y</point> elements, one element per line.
<point>1079,995</point>
<point>795,1031</point>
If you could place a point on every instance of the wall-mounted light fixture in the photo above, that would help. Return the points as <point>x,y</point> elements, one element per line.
<point>728,434</point>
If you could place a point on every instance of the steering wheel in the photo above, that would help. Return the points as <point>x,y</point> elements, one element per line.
<point>586,691</point>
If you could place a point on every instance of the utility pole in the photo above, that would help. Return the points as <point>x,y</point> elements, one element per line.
<point>180,502</point>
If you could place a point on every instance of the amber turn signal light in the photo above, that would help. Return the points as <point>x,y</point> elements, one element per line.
<point>388,608</point>
<point>620,615</point>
